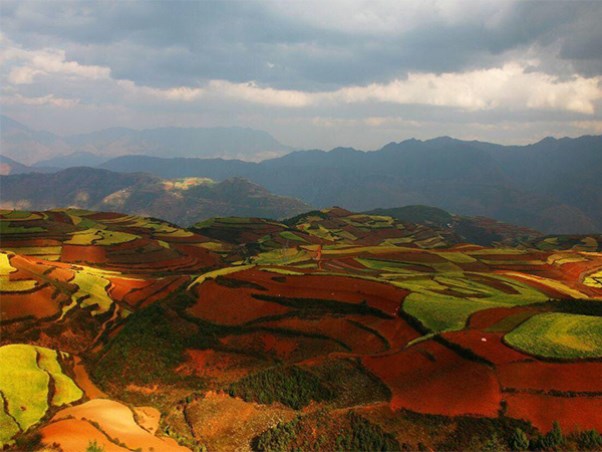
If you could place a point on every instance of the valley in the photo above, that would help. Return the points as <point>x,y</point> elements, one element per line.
<point>328,330</point>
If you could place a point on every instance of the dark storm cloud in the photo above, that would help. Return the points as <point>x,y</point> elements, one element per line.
<point>185,42</point>
<point>312,73</point>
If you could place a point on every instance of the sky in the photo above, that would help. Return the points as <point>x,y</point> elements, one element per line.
<point>313,74</point>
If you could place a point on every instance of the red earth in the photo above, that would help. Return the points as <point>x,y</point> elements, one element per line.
<point>542,410</point>
<point>430,378</point>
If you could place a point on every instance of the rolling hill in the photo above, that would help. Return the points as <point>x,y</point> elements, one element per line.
<point>552,186</point>
<point>335,329</point>
<point>182,201</point>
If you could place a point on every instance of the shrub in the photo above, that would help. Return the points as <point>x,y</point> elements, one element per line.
<point>363,435</point>
<point>519,440</point>
<point>93,446</point>
<point>589,440</point>
<point>290,386</point>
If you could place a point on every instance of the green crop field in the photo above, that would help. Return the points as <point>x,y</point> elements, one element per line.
<point>95,236</point>
<point>7,228</point>
<point>24,383</point>
<point>65,390</point>
<point>594,279</point>
<point>6,285</point>
<point>288,235</point>
<point>220,272</point>
<point>559,335</point>
<point>43,252</point>
<point>92,290</point>
<point>441,311</point>
<point>20,215</point>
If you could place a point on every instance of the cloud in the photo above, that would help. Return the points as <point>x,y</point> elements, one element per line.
<point>177,94</point>
<point>29,64</point>
<point>509,86</point>
<point>306,45</point>
<point>251,92</point>
<point>388,67</point>
<point>18,99</point>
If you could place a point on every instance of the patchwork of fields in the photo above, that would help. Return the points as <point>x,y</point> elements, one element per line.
<point>327,328</point>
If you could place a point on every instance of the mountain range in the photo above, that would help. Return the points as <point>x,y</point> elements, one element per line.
<point>182,201</point>
<point>47,149</point>
<point>553,185</point>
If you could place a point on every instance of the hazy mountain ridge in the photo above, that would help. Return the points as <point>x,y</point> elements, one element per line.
<point>551,186</point>
<point>30,146</point>
<point>182,201</point>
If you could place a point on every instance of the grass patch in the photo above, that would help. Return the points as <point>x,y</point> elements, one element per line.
<point>559,335</point>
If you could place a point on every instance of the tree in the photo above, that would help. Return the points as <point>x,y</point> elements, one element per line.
<point>519,440</point>
<point>93,446</point>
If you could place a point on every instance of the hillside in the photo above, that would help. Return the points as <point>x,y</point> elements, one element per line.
<point>550,186</point>
<point>479,230</point>
<point>182,201</point>
<point>347,330</point>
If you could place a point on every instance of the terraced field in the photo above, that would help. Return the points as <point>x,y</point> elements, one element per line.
<point>325,328</point>
<point>31,382</point>
<point>559,335</point>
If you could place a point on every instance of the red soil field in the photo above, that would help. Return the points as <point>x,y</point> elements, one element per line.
<point>128,247</point>
<point>396,331</point>
<point>381,296</point>
<point>17,242</point>
<point>493,282</point>
<point>486,345</point>
<point>120,287</point>
<point>63,275</point>
<point>23,275</point>
<point>583,376</point>
<point>84,253</point>
<point>38,303</point>
<point>219,304</point>
<point>203,255</point>
<point>509,258</point>
<point>339,328</point>
<point>542,411</point>
<point>573,271</point>
<point>377,236</point>
<point>217,364</point>
<point>161,289</point>
<point>430,378</point>
<point>99,216</point>
<point>348,262</point>
<point>286,348</point>
<point>82,379</point>
<point>466,247</point>
<point>476,266</point>
<point>481,320</point>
